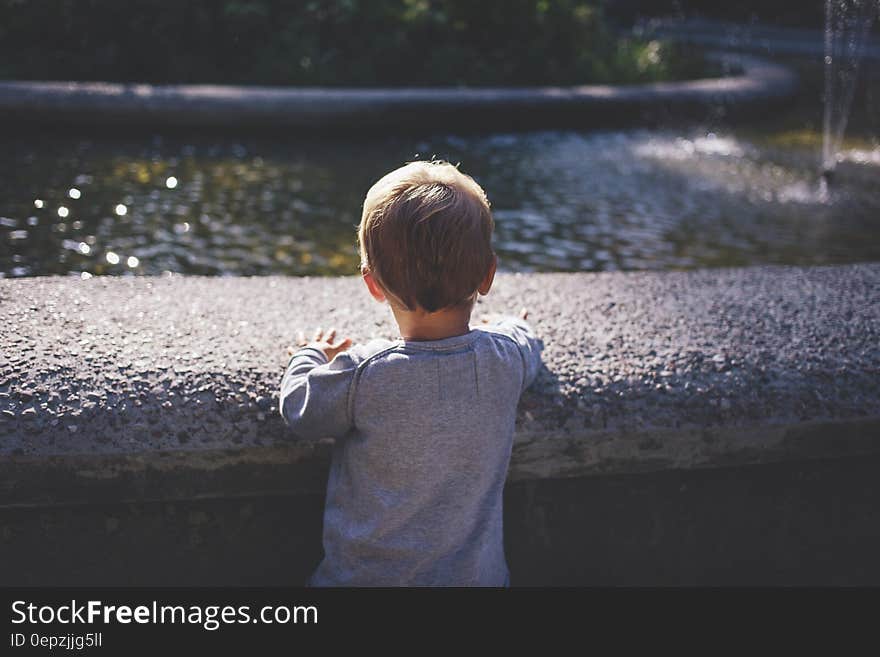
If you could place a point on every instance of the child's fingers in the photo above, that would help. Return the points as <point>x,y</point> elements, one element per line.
<point>332,350</point>
<point>318,334</point>
<point>524,313</point>
<point>331,335</point>
<point>300,338</point>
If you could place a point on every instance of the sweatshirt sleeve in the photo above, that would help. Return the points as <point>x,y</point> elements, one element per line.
<point>314,400</point>
<point>529,346</point>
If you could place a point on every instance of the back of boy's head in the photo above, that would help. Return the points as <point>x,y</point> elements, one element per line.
<point>426,235</point>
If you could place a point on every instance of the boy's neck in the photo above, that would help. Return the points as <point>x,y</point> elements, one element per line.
<point>419,325</point>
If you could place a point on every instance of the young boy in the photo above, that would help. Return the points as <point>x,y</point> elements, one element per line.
<point>423,424</point>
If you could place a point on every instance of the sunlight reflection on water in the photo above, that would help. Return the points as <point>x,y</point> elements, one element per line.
<point>563,201</point>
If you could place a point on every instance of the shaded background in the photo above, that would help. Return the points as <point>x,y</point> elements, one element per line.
<point>676,192</point>
<point>329,42</point>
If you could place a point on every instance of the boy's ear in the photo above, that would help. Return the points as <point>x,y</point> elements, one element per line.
<point>375,289</point>
<point>486,285</point>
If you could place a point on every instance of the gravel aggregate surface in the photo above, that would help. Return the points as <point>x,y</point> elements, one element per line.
<point>673,368</point>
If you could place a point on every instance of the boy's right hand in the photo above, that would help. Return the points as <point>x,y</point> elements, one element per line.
<point>324,342</point>
<point>490,319</point>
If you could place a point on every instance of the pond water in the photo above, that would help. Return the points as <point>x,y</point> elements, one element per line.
<point>633,199</point>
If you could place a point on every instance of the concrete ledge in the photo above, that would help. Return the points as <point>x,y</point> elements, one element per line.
<point>759,83</point>
<point>116,389</point>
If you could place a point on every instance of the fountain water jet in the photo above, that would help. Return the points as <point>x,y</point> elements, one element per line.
<point>847,23</point>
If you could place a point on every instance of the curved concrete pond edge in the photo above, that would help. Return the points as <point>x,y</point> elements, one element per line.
<point>760,83</point>
<point>136,388</point>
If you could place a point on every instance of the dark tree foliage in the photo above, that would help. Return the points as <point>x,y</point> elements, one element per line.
<point>793,13</point>
<point>328,42</point>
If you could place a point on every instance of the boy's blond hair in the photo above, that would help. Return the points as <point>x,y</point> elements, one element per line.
<point>425,235</point>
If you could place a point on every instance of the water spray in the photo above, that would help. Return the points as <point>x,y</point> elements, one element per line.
<point>847,23</point>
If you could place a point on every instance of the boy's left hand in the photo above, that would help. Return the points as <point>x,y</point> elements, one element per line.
<point>324,342</point>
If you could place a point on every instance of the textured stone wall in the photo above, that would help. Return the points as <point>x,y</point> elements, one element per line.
<point>166,388</point>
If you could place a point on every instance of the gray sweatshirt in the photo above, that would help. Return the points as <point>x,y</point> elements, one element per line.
<point>423,432</point>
